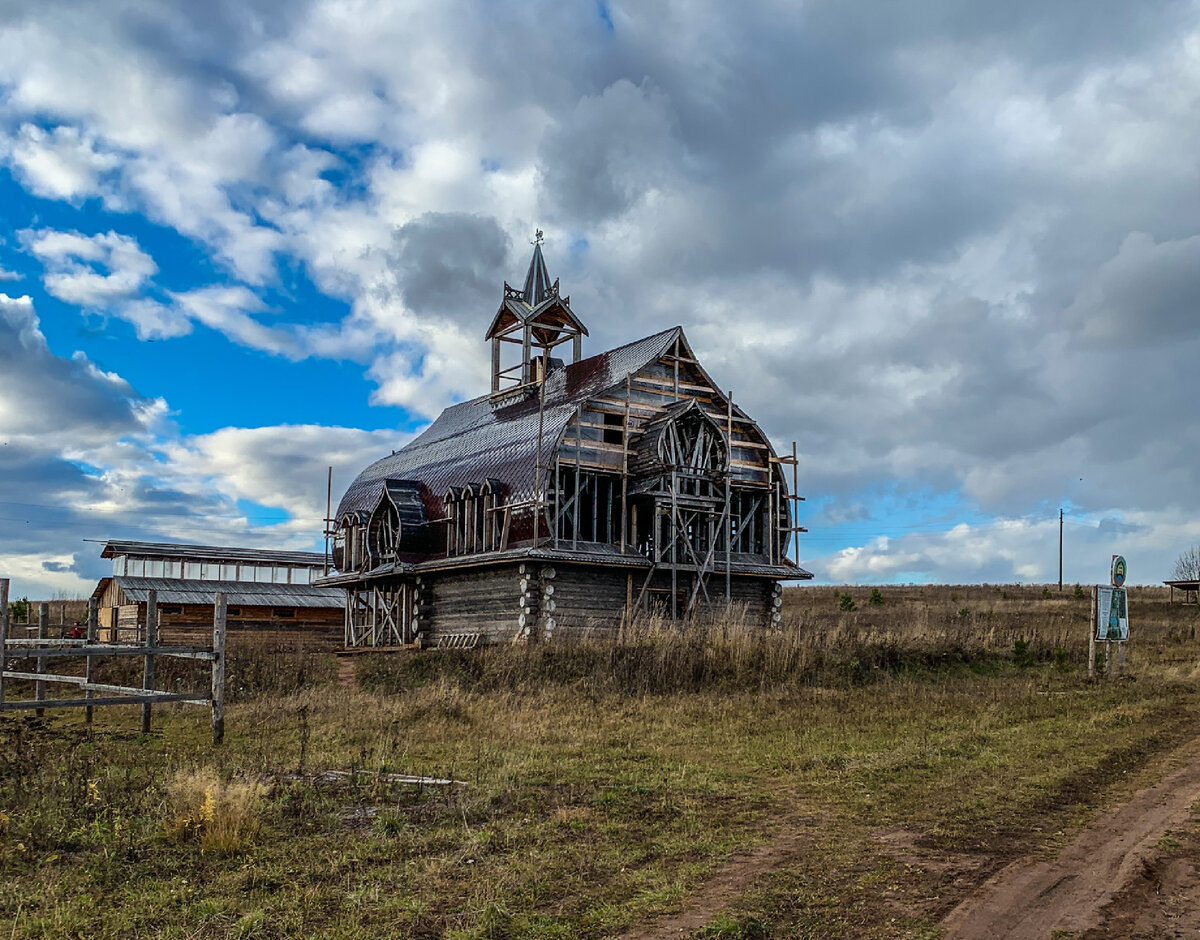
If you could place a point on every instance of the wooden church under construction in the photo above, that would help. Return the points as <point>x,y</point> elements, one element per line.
<point>567,497</point>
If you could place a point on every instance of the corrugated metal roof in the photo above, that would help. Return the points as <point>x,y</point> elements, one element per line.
<point>210,552</point>
<point>240,593</point>
<point>497,438</point>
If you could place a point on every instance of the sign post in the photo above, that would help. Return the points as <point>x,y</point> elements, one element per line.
<point>1110,620</point>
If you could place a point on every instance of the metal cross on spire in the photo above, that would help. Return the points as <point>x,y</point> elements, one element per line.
<point>538,237</point>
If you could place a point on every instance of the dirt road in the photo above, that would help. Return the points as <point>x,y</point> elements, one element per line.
<point>1033,898</point>
<point>1119,878</point>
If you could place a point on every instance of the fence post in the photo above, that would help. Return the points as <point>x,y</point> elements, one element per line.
<point>151,642</point>
<point>1092,637</point>
<point>3,633</point>
<point>93,626</point>
<point>218,669</point>
<point>43,634</point>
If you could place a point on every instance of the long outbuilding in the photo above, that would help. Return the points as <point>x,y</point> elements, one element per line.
<point>266,592</point>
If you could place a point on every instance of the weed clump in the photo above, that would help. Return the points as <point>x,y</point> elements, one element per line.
<point>220,815</point>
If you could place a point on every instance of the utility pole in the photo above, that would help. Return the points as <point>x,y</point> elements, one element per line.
<point>1060,523</point>
<point>328,521</point>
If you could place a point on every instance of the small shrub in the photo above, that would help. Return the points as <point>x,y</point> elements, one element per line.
<point>876,598</point>
<point>846,602</point>
<point>390,823</point>
<point>1047,594</point>
<point>1079,594</point>
<point>728,927</point>
<point>964,613</point>
<point>1023,655</point>
<point>221,816</point>
<point>1062,660</point>
<point>251,924</point>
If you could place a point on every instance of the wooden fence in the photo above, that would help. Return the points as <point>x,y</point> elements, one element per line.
<point>43,647</point>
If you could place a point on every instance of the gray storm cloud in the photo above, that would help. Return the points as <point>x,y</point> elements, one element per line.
<point>949,248</point>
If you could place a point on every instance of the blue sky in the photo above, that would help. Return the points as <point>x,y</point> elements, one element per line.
<point>951,251</point>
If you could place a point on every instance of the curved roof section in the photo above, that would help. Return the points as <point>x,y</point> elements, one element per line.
<point>496,436</point>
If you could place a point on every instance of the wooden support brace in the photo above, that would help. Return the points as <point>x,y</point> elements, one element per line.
<point>218,669</point>
<point>3,633</point>
<point>43,633</point>
<point>148,666</point>
<point>93,626</point>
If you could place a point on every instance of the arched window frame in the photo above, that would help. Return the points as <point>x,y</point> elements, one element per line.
<point>453,526</point>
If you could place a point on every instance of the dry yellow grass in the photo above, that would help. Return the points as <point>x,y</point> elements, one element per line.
<point>222,815</point>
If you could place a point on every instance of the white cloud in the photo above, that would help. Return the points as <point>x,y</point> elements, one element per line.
<point>1012,550</point>
<point>283,466</point>
<point>61,163</point>
<point>933,248</point>
<point>93,272</point>
<point>228,310</point>
<point>114,467</point>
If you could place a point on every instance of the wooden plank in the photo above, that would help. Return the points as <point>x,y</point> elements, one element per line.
<point>82,682</point>
<point>104,649</point>
<point>93,629</point>
<point>648,380</point>
<point>4,618</point>
<point>43,633</point>
<point>218,669</point>
<point>102,701</point>
<point>148,669</point>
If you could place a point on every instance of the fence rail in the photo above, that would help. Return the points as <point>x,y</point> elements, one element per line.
<point>43,647</point>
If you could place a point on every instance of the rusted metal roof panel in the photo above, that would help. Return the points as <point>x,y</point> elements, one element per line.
<point>497,437</point>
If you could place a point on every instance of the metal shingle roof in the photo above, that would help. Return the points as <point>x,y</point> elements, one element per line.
<point>487,437</point>
<point>210,552</point>
<point>241,593</point>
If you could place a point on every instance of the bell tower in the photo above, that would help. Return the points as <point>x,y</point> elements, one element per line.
<point>534,317</point>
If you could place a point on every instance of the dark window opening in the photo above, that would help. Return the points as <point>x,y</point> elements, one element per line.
<point>589,506</point>
<point>170,609</point>
<point>234,611</point>
<point>614,429</point>
<point>283,612</point>
<point>748,521</point>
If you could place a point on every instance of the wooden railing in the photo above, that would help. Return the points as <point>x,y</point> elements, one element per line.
<point>42,648</point>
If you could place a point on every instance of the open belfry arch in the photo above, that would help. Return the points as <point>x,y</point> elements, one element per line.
<point>568,497</point>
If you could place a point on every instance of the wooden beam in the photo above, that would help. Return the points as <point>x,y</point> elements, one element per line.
<point>43,633</point>
<point>148,666</point>
<point>218,669</point>
<point>40,704</point>
<point>3,633</point>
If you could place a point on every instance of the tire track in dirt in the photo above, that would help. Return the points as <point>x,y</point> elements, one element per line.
<point>724,888</point>
<point>1031,898</point>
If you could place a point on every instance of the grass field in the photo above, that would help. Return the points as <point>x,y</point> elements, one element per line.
<point>911,746</point>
